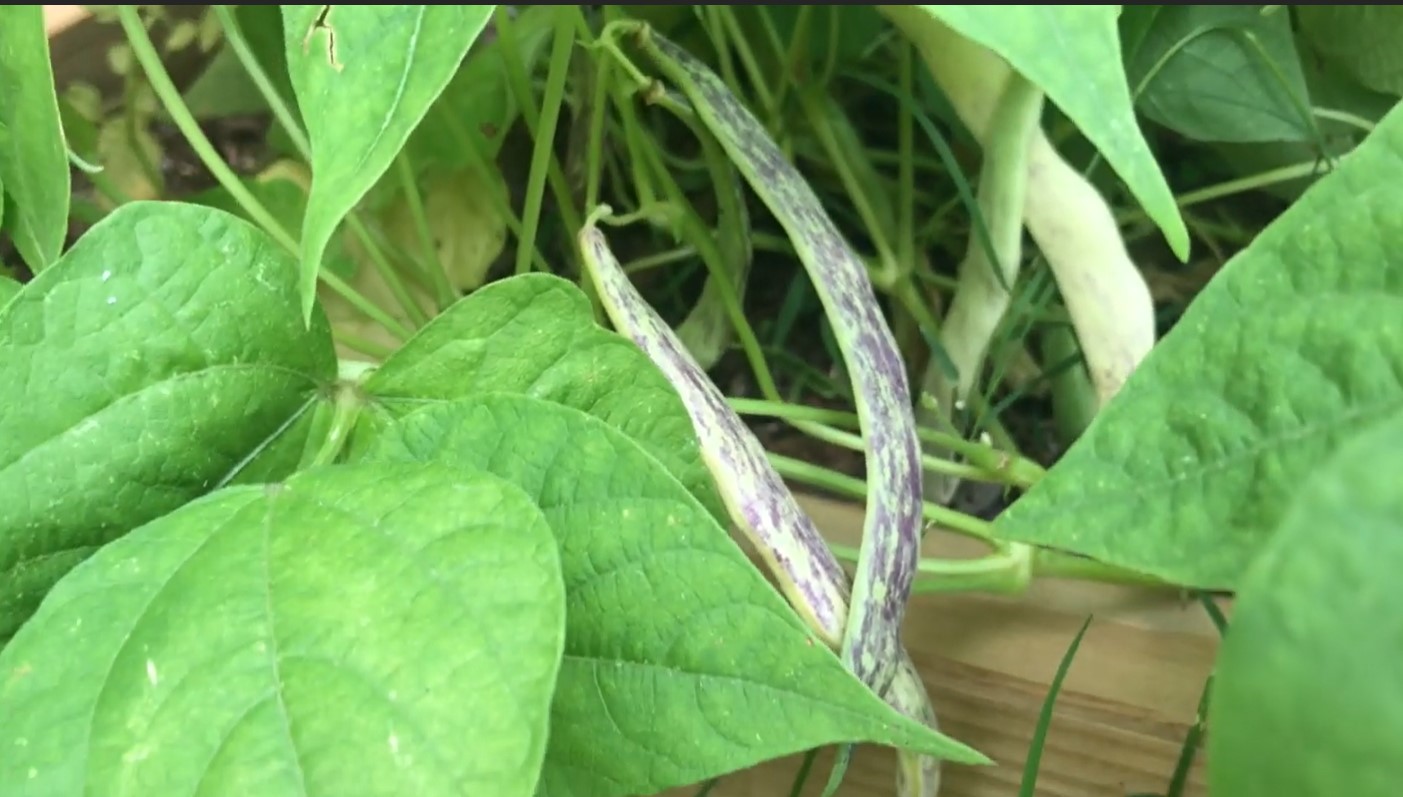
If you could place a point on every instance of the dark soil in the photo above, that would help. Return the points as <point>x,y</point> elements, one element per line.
<point>238,139</point>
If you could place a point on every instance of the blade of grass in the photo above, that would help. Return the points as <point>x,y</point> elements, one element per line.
<point>1039,741</point>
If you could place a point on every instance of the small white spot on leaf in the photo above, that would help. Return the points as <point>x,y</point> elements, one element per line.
<point>151,674</point>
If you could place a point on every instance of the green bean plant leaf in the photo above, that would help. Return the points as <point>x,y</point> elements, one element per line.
<point>1073,54</point>
<point>1306,698</point>
<point>134,384</point>
<point>33,160</point>
<point>681,662</point>
<point>364,76</point>
<point>535,335</point>
<point>8,289</point>
<point>1294,346</point>
<point>1361,39</point>
<point>1218,72</point>
<point>354,630</point>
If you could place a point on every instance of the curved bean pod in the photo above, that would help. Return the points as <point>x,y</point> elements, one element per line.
<point>755,495</point>
<point>891,532</point>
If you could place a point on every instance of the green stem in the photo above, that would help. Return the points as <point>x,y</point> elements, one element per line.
<point>542,153</point>
<point>1048,563</point>
<point>234,37</point>
<point>1251,182</point>
<point>1009,570</point>
<point>362,345</point>
<point>997,466</point>
<point>169,96</point>
<point>346,411</point>
<point>161,84</point>
<point>594,153</point>
<point>387,272</point>
<point>841,162</point>
<point>906,168</point>
<point>633,135</point>
<point>659,259</point>
<point>533,114</point>
<point>696,232</point>
<point>471,143</point>
<point>1002,456</point>
<point>716,31</point>
<point>853,442</point>
<point>791,59</point>
<point>438,275</point>
<point>747,60</point>
<point>957,522</point>
<point>1345,117</point>
<point>830,55</point>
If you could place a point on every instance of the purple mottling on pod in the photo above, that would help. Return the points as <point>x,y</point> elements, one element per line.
<point>755,496</point>
<point>891,532</point>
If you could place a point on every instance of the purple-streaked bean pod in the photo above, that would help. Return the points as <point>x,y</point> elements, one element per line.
<point>916,775</point>
<point>891,530</point>
<point>755,495</point>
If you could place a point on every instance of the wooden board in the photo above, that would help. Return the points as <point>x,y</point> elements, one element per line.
<point>1129,698</point>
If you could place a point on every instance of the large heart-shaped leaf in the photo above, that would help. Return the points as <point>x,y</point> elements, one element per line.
<point>1295,345</point>
<point>33,163</point>
<point>681,662</point>
<point>8,289</point>
<point>535,335</point>
<point>1309,696</point>
<point>364,76</point>
<point>162,356</point>
<point>387,630</point>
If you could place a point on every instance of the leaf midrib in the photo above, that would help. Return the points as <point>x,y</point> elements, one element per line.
<point>201,373</point>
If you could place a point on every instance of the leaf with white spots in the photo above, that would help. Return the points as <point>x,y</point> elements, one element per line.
<point>1295,345</point>
<point>353,631</point>
<point>681,662</point>
<point>162,355</point>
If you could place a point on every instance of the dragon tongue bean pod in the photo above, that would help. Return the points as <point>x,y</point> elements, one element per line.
<point>891,531</point>
<point>916,775</point>
<point>755,496</point>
